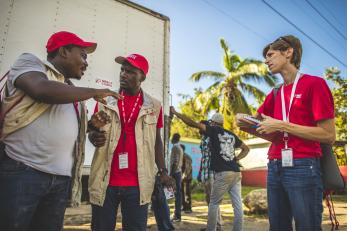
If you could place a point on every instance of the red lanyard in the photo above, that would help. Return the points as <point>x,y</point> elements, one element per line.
<point>130,117</point>
<point>134,108</point>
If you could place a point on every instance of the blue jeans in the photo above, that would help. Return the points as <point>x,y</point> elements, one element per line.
<point>295,192</point>
<point>30,199</point>
<point>134,215</point>
<point>178,195</point>
<point>161,209</point>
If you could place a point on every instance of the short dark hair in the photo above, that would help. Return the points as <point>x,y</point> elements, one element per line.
<point>53,54</point>
<point>283,43</point>
<point>175,138</point>
<point>183,147</point>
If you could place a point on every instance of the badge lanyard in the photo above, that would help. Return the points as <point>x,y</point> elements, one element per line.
<point>285,115</point>
<point>125,122</point>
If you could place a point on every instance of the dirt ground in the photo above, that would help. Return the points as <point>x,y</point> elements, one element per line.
<point>79,219</point>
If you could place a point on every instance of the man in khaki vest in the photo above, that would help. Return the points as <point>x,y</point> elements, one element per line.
<point>44,131</point>
<point>129,152</point>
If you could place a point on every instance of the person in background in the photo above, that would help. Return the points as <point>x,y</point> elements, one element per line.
<point>227,177</point>
<point>161,208</point>
<point>176,161</point>
<point>186,181</point>
<point>205,175</point>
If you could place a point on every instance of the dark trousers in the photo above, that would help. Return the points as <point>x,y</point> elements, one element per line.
<point>178,200</point>
<point>30,199</point>
<point>134,215</point>
<point>186,195</point>
<point>161,209</point>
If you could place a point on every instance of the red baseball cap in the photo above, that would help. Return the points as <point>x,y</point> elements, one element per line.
<point>63,38</point>
<point>135,60</point>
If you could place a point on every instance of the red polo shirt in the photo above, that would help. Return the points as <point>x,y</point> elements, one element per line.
<point>312,102</point>
<point>128,176</point>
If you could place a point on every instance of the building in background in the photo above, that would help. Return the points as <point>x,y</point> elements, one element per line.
<point>254,165</point>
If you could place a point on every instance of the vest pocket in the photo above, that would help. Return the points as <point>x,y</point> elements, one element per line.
<point>149,126</point>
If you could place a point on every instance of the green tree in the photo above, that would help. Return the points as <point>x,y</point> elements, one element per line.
<point>340,100</point>
<point>187,107</point>
<point>227,93</point>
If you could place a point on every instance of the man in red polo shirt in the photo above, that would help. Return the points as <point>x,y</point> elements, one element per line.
<point>303,116</point>
<point>123,170</point>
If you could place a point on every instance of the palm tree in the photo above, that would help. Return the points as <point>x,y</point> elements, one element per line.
<point>226,94</point>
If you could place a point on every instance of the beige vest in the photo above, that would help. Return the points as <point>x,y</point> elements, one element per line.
<point>28,110</point>
<point>145,134</point>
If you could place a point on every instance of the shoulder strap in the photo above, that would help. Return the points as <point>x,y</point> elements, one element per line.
<point>1,80</point>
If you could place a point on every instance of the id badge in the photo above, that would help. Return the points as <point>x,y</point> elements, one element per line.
<point>287,157</point>
<point>123,160</point>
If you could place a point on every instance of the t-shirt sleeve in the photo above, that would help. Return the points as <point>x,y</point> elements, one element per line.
<point>322,101</point>
<point>267,107</point>
<point>160,122</point>
<point>26,62</point>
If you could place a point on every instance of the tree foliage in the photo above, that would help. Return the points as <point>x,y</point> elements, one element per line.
<point>188,108</point>
<point>340,100</point>
<point>227,94</point>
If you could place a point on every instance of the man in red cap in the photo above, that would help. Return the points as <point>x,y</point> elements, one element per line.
<point>129,153</point>
<point>43,129</point>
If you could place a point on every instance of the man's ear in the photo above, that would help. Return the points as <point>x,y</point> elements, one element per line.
<point>62,52</point>
<point>143,77</point>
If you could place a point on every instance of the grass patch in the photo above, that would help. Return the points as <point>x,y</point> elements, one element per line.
<point>340,198</point>
<point>198,194</point>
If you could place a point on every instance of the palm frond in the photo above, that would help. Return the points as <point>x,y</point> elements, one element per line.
<point>252,90</point>
<point>206,102</point>
<point>210,99</point>
<point>207,74</point>
<point>251,61</point>
<point>224,45</point>
<point>238,103</point>
<point>214,85</point>
<point>234,61</point>
<point>271,80</point>
<point>226,56</point>
<point>252,77</point>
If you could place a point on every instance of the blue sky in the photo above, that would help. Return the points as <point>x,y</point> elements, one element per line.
<point>197,26</point>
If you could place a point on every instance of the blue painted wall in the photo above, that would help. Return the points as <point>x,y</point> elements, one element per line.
<point>193,150</point>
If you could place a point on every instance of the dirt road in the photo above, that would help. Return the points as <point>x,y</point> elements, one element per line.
<point>79,219</point>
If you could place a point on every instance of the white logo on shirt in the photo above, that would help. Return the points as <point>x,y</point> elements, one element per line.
<point>227,143</point>
<point>298,96</point>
